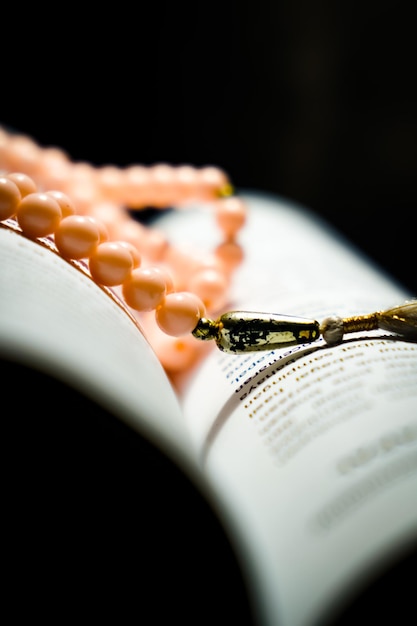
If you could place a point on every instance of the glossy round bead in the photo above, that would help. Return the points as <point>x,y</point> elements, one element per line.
<point>135,192</point>
<point>230,215</point>
<point>54,175</point>
<point>25,183</point>
<point>211,286</point>
<point>110,264</point>
<point>38,215</point>
<point>110,182</point>
<point>84,195</point>
<point>178,354</point>
<point>145,288</point>
<point>212,180</point>
<point>102,228</point>
<point>183,265</point>
<point>230,255</point>
<point>133,233</point>
<point>82,173</point>
<point>163,185</point>
<point>64,201</point>
<point>23,154</point>
<point>332,330</point>
<point>187,181</point>
<point>154,245</point>
<point>136,258</point>
<point>167,277</point>
<point>111,216</point>
<point>51,158</point>
<point>9,198</point>
<point>77,236</point>
<point>81,186</point>
<point>179,313</point>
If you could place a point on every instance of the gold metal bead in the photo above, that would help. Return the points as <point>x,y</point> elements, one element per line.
<point>238,332</point>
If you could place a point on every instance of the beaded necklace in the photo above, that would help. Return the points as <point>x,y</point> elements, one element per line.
<point>86,212</point>
<point>90,213</point>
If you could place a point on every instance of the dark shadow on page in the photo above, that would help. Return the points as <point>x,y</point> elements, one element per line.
<point>387,595</point>
<point>99,523</point>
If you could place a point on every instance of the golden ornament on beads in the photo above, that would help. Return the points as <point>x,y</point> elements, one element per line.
<point>87,213</point>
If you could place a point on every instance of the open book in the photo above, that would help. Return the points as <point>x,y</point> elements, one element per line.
<point>306,455</point>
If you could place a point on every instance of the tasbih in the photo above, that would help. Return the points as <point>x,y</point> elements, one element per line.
<point>86,211</point>
<point>93,213</point>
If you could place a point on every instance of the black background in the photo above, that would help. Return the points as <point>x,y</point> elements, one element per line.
<point>313,101</point>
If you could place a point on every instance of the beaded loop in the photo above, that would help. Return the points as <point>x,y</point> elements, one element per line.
<point>86,210</point>
<point>87,214</point>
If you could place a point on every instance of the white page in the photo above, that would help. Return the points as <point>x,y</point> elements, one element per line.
<point>313,450</point>
<point>56,318</point>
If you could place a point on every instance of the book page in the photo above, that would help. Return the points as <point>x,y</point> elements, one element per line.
<point>311,449</point>
<point>54,317</point>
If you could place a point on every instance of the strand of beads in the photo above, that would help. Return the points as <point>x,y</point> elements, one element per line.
<point>110,193</point>
<point>178,291</point>
<point>136,186</point>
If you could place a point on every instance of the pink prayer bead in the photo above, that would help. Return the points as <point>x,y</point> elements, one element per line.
<point>187,183</point>
<point>77,236</point>
<point>110,182</point>
<point>211,286</point>
<point>145,288</point>
<point>136,258</point>
<point>177,354</point>
<point>54,175</point>
<point>135,193</point>
<point>38,215</point>
<point>133,232</point>
<point>154,245</point>
<point>163,185</point>
<point>230,255</point>
<point>102,228</point>
<point>83,194</point>
<point>81,186</point>
<point>50,157</point>
<point>53,167</point>
<point>230,215</point>
<point>22,154</point>
<point>82,173</point>
<point>167,277</point>
<point>179,313</point>
<point>66,203</point>
<point>111,216</point>
<point>25,183</point>
<point>9,198</point>
<point>183,265</point>
<point>212,180</point>
<point>110,264</point>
